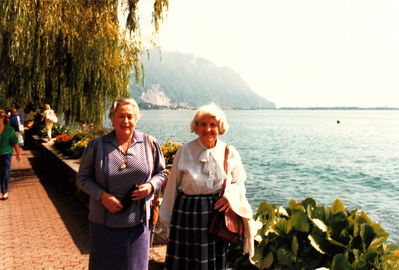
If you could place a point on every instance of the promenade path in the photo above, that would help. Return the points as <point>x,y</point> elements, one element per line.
<point>42,224</point>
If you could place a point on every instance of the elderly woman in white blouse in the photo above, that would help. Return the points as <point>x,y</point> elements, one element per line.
<point>192,196</point>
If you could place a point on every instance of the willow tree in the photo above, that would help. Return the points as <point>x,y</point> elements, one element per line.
<point>71,53</point>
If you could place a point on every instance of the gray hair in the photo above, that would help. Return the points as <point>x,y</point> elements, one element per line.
<point>124,101</point>
<point>210,110</point>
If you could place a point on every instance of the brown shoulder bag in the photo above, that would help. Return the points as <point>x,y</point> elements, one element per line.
<point>227,224</point>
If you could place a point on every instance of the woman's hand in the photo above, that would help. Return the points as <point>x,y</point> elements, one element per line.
<point>110,202</point>
<point>222,204</point>
<point>144,190</point>
<point>17,150</point>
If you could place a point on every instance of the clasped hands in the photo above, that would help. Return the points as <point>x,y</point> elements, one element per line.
<point>114,205</point>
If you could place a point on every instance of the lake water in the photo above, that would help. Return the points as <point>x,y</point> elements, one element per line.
<point>295,154</point>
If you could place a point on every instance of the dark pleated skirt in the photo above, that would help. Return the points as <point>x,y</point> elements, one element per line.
<point>120,248</point>
<point>190,246</point>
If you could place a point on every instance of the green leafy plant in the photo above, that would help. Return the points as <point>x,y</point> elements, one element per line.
<point>59,129</point>
<point>309,236</point>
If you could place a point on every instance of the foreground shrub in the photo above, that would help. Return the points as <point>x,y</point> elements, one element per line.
<point>309,236</point>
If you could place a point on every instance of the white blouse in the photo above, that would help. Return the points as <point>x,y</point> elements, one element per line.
<point>198,170</point>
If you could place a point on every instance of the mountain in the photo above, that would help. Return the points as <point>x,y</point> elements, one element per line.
<point>174,79</point>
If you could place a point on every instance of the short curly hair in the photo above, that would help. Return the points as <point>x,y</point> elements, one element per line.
<point>124,101</point>
<point>210,110</point>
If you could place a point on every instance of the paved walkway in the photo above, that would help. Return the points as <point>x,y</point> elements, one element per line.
<point>42,224</point>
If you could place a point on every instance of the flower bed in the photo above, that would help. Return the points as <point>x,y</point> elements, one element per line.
<point>169,150</point>
<point>63,143</point>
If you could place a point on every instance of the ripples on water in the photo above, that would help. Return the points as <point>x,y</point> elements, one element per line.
<point>299,154</point>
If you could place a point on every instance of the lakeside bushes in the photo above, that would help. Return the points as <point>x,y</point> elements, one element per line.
<point>305,235</point>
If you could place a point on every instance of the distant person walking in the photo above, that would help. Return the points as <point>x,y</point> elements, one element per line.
<point>121,171</point>
<point>49,117</point>
<point>21,113</point>
<point>16,123</point>
<point>8,141</point>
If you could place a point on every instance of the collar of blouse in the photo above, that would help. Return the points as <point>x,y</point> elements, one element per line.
<point>213,159</point>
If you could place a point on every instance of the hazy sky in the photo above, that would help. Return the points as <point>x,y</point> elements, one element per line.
<point>295,53</point>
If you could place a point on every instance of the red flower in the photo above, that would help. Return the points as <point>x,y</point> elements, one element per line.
<point>63,138</point>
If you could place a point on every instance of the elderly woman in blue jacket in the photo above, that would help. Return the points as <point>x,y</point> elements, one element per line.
<point>110,169</point>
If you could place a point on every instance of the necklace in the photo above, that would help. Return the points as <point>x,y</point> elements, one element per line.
<point>124,156</point>
<point>123,165</point>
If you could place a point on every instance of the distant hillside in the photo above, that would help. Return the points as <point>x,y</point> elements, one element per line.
<point>183,80</point>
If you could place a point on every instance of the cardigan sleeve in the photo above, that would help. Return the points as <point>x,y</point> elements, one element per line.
<point>86,174</point>
<point>235,189</point>
<point>168,200</point>
<point>159,165</point>
<point>238,174</point>
<point>235,194</point>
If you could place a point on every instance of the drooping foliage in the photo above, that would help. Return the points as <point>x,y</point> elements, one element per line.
<point>70,53</point>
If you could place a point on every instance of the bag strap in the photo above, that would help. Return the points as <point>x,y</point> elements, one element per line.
<point>226,155</point>
<point>152,153</point>
<point>155,202</point>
